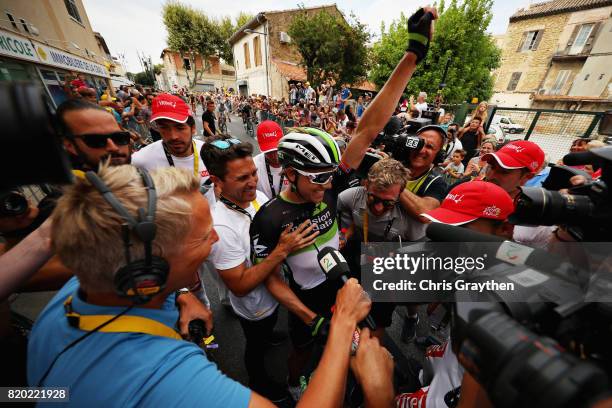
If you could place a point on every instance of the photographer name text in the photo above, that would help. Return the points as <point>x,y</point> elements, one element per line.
<point>430,285</point>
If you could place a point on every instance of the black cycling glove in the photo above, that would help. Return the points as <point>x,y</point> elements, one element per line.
<point>419,33</point>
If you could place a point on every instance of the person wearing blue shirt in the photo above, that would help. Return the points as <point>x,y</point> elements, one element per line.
<point>139,359</point>
<point>345,94</point>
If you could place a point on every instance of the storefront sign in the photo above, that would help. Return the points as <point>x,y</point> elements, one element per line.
<point>61,59</point>
<point>17,46</point>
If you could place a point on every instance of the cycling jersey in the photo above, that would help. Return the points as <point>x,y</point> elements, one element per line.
<point>272,219</point>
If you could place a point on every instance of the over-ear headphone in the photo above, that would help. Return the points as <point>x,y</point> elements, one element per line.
<point>441,155</point>
<point>139,279</point>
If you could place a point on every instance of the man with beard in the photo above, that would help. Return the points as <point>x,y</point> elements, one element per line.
<point>176,125</point>
<point>92,135</point>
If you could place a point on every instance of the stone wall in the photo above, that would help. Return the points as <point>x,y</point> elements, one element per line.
<point>532,64</point>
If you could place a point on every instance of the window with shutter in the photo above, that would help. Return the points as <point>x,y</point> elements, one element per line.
<point>581,39</point>
<point>562,78</point>
<point>73,10</point>
<point>247,56</point>
<point>516,76</point>
<point>530,41</point>
<point>257,50</point>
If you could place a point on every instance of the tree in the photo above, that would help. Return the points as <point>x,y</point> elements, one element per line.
<point>330,46</point>
<point>157,68</point>
<point>191,34</point>
<point>130,76</point>
<point>459,34</point>
<point>144,78</point>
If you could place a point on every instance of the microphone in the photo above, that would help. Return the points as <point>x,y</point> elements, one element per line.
<point>506,251</point>
<point>580,158</point>
<point>335,267</point>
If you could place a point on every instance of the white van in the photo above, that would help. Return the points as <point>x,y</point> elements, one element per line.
<point>507,124</point>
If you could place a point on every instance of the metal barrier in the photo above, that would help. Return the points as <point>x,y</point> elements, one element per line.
<point>553,130</point>
<point>282,123</point>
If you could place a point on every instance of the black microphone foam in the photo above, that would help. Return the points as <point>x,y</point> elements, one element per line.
<point>335,266</point>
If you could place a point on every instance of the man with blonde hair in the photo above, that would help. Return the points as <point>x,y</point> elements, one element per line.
<point>373,213</point>
<point>100,341</point>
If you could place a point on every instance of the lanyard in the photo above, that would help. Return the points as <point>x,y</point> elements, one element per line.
<point>123,324</point>
<point>366,221</point>
<point>241,210</point>
<point>196,158</point>
<point>414,185</point>
<point>271,180</point>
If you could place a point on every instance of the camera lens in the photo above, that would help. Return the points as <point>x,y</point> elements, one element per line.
<point>538,206</point>
<point>13,203</point>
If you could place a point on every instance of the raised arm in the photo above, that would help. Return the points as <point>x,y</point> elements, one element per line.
<point>374,119</point>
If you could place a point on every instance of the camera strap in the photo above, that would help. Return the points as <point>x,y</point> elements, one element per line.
<point>415,185</point>
<point>366,225</point>
<point>241,210</point>
<point>271,180</point>
<point>123,324</point>
<point>196,158</point>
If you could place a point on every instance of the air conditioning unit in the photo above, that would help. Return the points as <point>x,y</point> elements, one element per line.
<point>542,91</point>
<point>284,38</point>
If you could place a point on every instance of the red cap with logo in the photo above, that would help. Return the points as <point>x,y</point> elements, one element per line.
<point>171,107</point>
<point>268,135</point>
<point>472,200</point>
<point>517,155</point>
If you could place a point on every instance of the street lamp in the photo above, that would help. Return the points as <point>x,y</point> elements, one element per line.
<point>265,34</point>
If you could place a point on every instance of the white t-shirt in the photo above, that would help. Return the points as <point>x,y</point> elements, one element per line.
<point>537,236</point>
<point>263,184</point>
<point>153,157</point>
<point>448,375</point>
<point>455,145</point>
<point>421,107</point>
<point>233,249</point>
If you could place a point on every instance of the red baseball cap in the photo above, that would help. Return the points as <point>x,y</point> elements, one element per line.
<point>517,155</point>
<point>171,107</point>
<point>268,135</point>
<point>472,200</point>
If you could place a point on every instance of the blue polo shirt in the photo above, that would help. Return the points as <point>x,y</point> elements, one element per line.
<point>125,369</point>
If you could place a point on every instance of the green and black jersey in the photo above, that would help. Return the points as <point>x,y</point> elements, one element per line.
<point>272,219</point>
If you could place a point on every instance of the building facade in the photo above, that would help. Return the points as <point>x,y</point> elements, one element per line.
<point>557,55</point>
<point>264,57</point>
<point>48,42</point>
<point>177,73</point>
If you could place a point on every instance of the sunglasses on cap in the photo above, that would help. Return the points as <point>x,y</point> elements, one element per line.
<point>225,144</point>
<point>318,178</point>
<point>98,141</point>
<point>373,200</point>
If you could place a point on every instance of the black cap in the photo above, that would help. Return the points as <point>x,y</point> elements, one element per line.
<point>437,128</point>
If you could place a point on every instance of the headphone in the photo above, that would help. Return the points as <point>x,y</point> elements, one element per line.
<point>139,279</point>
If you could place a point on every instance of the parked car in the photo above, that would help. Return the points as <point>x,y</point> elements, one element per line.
<point>500,135</point>
<point>507,124</point>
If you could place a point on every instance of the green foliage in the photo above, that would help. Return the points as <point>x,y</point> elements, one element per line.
<point>193,33</point>
<point>157,68</point>
<point>130,76</point>
<point>331,46</point>
<point>143,78</point>
<point>459,34</point>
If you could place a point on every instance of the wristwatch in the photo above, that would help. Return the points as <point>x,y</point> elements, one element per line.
<point>180,292</point>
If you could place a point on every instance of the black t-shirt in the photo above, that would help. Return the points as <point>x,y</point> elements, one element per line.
<point>209,117</point>
<point>469,141</point>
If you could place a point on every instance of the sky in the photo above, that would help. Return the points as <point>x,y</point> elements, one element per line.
<point>135,26</point>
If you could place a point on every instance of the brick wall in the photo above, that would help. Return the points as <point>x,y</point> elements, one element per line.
<point>532,64</point>
<point>551,78</point>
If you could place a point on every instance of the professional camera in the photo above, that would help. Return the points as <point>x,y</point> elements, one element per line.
<point>27,130</point>
<point>399,140</point>
<point>585,210</point>
<point>542,344</point>
<point>12,203</point>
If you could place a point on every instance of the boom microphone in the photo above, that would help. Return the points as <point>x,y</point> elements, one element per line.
<point>335,267</point>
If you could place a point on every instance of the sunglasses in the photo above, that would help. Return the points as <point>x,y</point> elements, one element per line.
<point>98,141</point>
<point>373,200</point>
<point>318,178</point>
<point>225,144</point>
